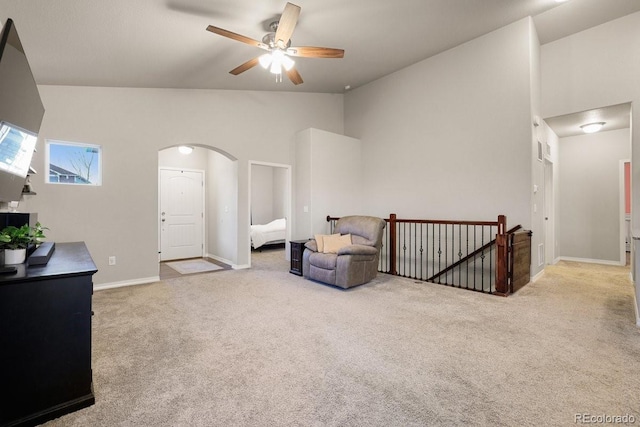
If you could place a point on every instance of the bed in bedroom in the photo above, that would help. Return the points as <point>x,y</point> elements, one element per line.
<point>268,234</point>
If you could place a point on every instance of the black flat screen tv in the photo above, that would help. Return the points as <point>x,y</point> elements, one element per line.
<point>21,113</point>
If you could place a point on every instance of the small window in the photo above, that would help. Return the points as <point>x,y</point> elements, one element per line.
<point>73,163</point>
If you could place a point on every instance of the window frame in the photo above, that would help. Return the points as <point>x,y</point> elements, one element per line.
<point>47,178</point>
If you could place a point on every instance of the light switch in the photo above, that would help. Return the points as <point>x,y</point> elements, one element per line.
<point>535,188</point>
<point>305,208</point>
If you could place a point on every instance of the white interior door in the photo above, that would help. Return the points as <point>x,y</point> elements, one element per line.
<point>181,214</point>
<point>549,218</point>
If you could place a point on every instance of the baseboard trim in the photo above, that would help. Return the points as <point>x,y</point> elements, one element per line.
<point>590,261</point>
<point>537,277</point>
<point>636,302</point>
<point>228,262</point>
<point>141,281</point>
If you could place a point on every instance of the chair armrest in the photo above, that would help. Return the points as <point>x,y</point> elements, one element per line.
<point>311,245</point>
<point>357,250</point>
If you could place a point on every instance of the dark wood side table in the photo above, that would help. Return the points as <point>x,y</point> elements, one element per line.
<point>297,249</point>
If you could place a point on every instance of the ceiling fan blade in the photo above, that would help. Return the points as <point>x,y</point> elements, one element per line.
<point>294,76</point>
<point>244,67</point>
<point>237,37</point>
<point>315,52</point>
<point>287,24</point>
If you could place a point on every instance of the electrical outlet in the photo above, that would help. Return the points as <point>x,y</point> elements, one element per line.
<point>112,260</point>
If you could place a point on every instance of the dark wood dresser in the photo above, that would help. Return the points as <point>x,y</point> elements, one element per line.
<point>45,337</point>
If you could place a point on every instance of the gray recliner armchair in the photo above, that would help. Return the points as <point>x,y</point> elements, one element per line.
<point>351,265</point>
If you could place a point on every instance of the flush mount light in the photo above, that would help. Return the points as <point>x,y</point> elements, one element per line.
<point>185,149</point>
<point>592,127</point>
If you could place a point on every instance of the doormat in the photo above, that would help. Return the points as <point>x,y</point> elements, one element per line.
<point>193,266</point>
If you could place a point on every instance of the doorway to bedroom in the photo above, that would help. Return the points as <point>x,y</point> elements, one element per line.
<point>269,208</point>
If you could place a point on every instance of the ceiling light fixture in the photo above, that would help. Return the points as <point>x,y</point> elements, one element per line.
<point>592,127</point>
<point>185,149</point>
<point>275,61</point>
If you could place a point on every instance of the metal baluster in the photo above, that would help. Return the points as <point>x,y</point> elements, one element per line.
<point>404,248</point>
<point>468,261</point>
<point>427,254</point>
<point>421,252</point>
<point>433,249</point>
<point>482,258</point>
<point>446,252</point>
<point>410,246</point>
<point>439,249</point>
<point>460,253</point>
<point>475,245</point>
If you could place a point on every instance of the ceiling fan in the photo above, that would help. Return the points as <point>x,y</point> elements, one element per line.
<point>278,46</point>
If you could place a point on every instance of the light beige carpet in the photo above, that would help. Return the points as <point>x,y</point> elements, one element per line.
<point>262,347</point>
<point>193,266</point>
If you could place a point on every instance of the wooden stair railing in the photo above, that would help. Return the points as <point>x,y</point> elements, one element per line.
<point>396,246</point>
<point>471,255</point>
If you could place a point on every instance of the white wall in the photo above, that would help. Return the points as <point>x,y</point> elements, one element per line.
<point>172,158</point>
<point>451,136</point>
<point>268,193</point>
<point>589,185</point>
<point>120,217</point>
<point>280,198</point>
<point>595,68</point>
<point>262,190</point>
<point>301,149</point>
<point>222,209</point>
<point>328,180</point>
<point>536,188</point>
<point>551,238</point>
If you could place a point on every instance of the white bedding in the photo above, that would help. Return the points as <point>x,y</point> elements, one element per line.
<point>275,231</point>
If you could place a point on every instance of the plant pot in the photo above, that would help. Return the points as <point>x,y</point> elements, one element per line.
<point>14,256</point>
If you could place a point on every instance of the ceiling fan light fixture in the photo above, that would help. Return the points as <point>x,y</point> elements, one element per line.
<point>275,67</point>
<point>277,60</point>
<point>287,62</point>
<point>592,127</point>
<point>277,43</point>
<point>265,60</point>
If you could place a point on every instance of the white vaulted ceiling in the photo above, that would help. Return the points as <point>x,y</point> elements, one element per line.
<point>164,43</point>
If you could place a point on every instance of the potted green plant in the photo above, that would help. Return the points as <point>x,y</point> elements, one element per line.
<point>16,240</point>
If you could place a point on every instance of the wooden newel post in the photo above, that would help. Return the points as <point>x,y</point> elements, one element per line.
<point>393,243</point>
<point>501,258</point>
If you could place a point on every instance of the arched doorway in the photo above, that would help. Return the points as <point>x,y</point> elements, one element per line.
<point>217,173</point>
